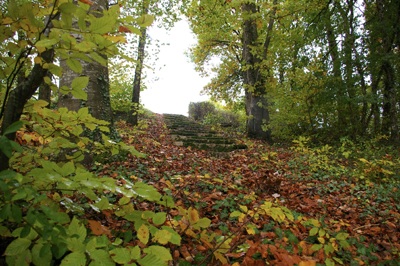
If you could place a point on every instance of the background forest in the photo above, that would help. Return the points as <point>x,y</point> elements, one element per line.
<point>79,186</point>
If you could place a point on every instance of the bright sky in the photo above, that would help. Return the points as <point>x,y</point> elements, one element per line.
<point>178,83</point>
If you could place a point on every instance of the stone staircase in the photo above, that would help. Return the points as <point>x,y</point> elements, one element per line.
<point>188,133</point>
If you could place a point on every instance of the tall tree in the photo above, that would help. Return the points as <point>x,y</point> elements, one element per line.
<point>47,39</point>
<point>134,111</point>
<point>245,30</point>
<point>95,67</point>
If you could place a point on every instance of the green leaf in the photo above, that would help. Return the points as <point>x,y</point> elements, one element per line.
<point>74,65</point>
<point>65,90</point>
<point>4,187</point>
<point>45,250</point>
<point>68,8</point>
<point>21,194</point>
<point>316,247</point>
<point>14,127</point>
<point>76,228</point>
<point>314,231</point>
<point>203,222</point>
<point>5,146</point>
<point>77,130</point>
<point>135,252</point>
<point>80,94</point>
<point>17,246</point>
<point>159,251</point>
<point>167,201</point>
<point>121,255</point>
<point>4,231</point>
<point>75,245</point>
<point>328,248</point>
<point>24,258</point>
<point>342,236</point>
<point>103,204</point>
<point>43,260</point>
<point>7,174</point>
<point>101,257</point>
<point>25,232</point>
<point>344,244</point>
<point>91,245</point>
<point>151,260</point>
<point>59,249</point>
<point>79,83</point>
<point>102,25</point>
<point>74,259</point>
<point>59,217</point>
<point>98,58</point>
<point>16,213</point>
<point>48,43</point>
<point>235,214</point>
<point>82,57</point>
<point>5,211</point>
<point>67,169</point>
<point>55,70</point>
<point>329,262</point>
<point>128,236</point>
<point>83,112</point>
<point>175,237</point>
<point>124,200</point>
<point>145,20</point>
<point>147,192</point>
<point>159,218</point>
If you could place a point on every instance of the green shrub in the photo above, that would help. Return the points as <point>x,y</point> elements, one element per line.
<point>198,111</point>
<point>216,115</point>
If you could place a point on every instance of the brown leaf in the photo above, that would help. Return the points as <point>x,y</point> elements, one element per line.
<point>98,229</point>
<point>86,2</point>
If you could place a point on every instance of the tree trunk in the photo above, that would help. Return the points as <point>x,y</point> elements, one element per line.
<point>19,97</point>
<point>45,91</point>
<point>98,95</point>
<point>26,87</point>
<point>253,80</point>
<point>133,113</point>
<point>390,32</point>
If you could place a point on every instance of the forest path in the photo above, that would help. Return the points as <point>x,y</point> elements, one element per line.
<point>324,208</point>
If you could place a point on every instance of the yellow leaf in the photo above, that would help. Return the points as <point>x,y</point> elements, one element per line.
<point>38,60</point>
<point>7,20</point>
<point>143,234</point>
<point>307,263</point>
<point>250,231</point>
<point>56,197</point>
<point>190,232</point>
<point>316,223</point>
<point>162,237</point>
<point>241,217</point>
<point>220,257</point>
<point>193,216</point>
<point>118,38</point>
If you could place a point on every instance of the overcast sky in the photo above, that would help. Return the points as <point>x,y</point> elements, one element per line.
<point>178,83</point>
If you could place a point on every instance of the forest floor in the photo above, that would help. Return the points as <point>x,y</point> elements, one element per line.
<point>333,219</point>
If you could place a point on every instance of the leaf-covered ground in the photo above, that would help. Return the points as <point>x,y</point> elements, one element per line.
<point>216,188</point>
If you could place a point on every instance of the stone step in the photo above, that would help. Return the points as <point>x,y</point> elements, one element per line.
<point>187,133</point>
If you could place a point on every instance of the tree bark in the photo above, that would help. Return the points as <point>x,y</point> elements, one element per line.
<point>253,80</point>
<point>134,111</point>
<point>19,97</point>
<point>98,95</point>
<point>45,91</point>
